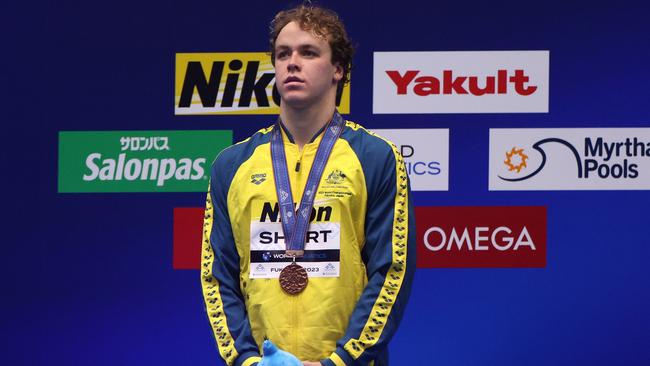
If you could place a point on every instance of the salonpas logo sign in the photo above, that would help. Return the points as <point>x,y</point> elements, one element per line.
<point>138,161</point>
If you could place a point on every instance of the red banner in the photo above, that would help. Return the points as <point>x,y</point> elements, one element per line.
<point>481,237</point>
<point>188,224</point>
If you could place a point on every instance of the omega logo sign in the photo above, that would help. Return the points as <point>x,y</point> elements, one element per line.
<point>484,238</point>
<point>481,237</point>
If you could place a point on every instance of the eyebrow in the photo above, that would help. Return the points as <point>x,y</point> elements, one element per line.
<point>300,47</point>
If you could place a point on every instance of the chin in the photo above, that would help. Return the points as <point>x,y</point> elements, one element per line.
<point>295,101</point>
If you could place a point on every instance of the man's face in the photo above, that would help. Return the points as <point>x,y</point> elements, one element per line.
<point>304,72</point>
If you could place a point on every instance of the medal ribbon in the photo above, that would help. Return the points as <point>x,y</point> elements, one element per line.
<point>295,223</point>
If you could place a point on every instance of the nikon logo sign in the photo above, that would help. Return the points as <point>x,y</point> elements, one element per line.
<point>230,83</point>
<point>138,161</point>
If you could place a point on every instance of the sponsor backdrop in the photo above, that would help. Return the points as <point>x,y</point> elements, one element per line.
<point>525,131</point>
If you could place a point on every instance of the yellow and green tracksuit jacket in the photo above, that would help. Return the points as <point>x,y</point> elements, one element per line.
<point>362,217</point>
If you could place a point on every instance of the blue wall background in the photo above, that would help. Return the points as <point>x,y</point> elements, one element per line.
<point>87,279</point>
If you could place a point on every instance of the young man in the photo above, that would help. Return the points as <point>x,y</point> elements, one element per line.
<point>309,234</point>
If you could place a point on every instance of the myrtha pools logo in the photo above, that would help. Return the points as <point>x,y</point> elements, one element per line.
<point>516,160</point>
<point>571,159</point>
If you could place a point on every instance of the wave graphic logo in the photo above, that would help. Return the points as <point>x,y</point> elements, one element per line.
<point>517,161</point>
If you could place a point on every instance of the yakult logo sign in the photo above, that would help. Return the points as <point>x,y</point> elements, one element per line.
<point>481,236</point>
<point>426,156</point>
<point>461,82</point>
<point>570,159</point>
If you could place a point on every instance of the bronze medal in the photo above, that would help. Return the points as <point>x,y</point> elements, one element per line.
<point>293,279</point>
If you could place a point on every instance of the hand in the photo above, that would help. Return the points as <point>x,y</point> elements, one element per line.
<point>311,363</point>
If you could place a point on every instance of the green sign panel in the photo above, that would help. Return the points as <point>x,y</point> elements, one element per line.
<point>138,161</point>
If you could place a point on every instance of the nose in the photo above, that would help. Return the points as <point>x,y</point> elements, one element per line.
<point>294,62</point>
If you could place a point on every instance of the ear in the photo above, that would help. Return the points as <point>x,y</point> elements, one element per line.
<point>338,73</point>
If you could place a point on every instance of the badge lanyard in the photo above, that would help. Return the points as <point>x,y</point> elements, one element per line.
<point>296,222</point>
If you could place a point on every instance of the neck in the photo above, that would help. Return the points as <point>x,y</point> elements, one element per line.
<point>303,123</point>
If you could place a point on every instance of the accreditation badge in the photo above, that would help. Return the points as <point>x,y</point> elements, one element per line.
<point>322,251</point>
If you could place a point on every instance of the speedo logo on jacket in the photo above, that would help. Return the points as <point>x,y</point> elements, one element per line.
<point>266,231</point>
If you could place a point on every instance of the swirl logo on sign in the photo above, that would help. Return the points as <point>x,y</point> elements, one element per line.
<point>523,158</point>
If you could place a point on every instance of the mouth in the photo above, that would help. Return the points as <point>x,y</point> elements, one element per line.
<point>293,79</point>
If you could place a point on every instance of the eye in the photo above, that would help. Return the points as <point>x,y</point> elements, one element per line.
<point>309,53</point>
<point>282,54</point>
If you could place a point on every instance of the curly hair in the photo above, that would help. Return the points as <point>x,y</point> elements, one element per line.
<point>323,23</point>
